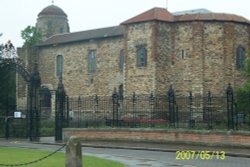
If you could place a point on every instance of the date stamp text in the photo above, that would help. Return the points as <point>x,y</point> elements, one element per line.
<point>200,155</point>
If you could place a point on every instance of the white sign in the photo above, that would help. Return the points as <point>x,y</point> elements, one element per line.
<point>17,114</point>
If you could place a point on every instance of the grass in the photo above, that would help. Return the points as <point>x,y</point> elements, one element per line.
<point>20,155</point>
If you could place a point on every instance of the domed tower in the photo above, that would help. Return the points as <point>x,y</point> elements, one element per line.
<point>52,20</point>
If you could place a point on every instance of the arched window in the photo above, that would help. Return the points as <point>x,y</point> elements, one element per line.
<point>45,102</point>
<point>240,57</point>
<point>121,61</point>
<point>45,97</point>
<point>92,61</point>
<point>120,91</point>
<point>141,57</point>
<point>59,65</point>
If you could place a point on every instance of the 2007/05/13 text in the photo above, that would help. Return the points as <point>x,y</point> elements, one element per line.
<point>203,155</point>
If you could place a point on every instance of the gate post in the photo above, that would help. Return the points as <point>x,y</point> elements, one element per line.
<point>230,107</point>
<point>34,115</point>
<point>171,105</point>
<point>59,118</point>
<point>115,107</point>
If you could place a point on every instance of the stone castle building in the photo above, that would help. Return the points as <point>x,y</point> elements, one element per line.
<point>196,51</point>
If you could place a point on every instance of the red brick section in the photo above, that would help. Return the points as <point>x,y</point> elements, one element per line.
<point>206,137</point>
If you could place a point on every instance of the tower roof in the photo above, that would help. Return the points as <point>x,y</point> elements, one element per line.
<point>52,10</point>
<point>160,14</point>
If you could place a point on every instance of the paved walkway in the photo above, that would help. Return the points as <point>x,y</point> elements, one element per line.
<point>165,147</point>
<point>142,154</point>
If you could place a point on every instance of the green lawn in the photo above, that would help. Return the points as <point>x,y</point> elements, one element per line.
<point>18,155</point>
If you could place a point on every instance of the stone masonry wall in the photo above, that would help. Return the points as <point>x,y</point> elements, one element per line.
<point>193,56</point>
<point>27,58</point>
<point>199,56</point>
<point>139,79</point>
<point>52,25</point>
<point>77,81</point>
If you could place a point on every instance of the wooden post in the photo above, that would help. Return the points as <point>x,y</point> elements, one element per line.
<point>73,153</point>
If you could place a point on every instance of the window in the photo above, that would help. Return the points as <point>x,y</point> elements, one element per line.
<point>121,61</point>
<point>183,54</point>
<point>120,92</point>
<point>141,57</point>
<point>92,61</point>
<point>59,65</point>
<point>240,56</point>
<point>45,98</point>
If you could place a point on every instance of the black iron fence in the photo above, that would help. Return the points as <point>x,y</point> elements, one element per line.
<point>135,111</point>
<point>166,111</point>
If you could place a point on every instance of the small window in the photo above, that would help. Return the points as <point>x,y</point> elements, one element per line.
<point>92,61</point>
<point>141,57</point>
<point>121,61</point>
<point>59,65</point>
<point>120,92</point>
<point>240,57</point>
<point>183,54</point>
<point>61,30</point>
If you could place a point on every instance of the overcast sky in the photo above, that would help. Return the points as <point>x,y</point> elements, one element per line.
<point>88,14</point>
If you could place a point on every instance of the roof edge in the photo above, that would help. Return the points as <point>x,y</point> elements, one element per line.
<point>55,39</point>
<point>156,13</point>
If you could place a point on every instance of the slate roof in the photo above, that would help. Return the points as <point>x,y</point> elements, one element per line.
<point>85,35</point>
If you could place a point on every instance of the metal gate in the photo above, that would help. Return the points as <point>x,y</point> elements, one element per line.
<point>27,123</point>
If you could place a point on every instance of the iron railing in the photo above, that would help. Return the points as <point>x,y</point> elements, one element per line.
<point>169,111</point>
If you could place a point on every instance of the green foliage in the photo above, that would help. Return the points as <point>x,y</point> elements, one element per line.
<point>17,155</point>
<point>7,89</point>
<point>47,127</point>
<point>30,36</point>
<point>1,46</point>
<point>246,70</point>
<point>243,92</point>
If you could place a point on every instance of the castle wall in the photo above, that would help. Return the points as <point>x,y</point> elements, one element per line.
<point>199,56</point>
<point>76,79</point>
<point>52,25</point>
<point>172,68</point>
<point>193,56</point>
<point>241,38</point>
<point>21,85</point>
<point>139,79</point>
<point>27,58</point>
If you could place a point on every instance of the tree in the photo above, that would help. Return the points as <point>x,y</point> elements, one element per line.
<point>7,89</point>
<point>30,36</point>
<point>243,92</point>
